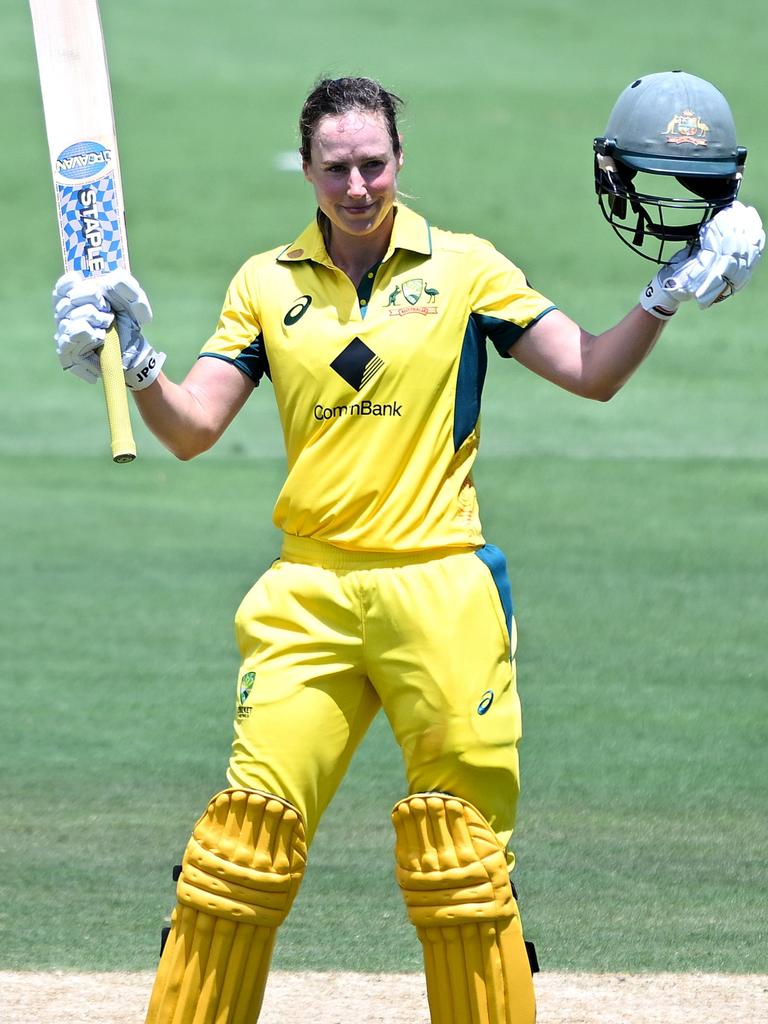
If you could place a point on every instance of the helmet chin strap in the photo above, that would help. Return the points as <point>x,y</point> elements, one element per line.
<point>667,232</point>
<point>642,219</point>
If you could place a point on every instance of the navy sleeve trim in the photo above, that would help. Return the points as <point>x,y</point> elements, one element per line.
<point>252,361</point>
<point>232,362</point>
<point>473,364</point>
<point>502,333</point>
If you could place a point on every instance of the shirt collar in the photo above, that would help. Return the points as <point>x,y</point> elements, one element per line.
<point>410,232</point>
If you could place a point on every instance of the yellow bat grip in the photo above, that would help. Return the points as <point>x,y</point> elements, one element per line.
<point>118,415</point>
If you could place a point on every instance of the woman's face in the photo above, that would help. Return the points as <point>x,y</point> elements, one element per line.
<point>353,169</point>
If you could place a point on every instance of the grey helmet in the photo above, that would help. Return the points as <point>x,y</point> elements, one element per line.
<point>679,126</point>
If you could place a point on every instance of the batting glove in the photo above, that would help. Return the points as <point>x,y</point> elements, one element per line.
<point>86,308</point>
<point>728,251</point>
<point>730,248</point>
<point>655,298</point>
<point>82,323</point>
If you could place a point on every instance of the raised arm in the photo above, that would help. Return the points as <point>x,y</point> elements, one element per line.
<point>589,365</point>
<point>596,366</point>
<point>188,418</point>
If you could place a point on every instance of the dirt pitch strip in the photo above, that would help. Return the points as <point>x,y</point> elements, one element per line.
<point>59,998</point>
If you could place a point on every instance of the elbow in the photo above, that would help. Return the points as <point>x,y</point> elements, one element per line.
<point>605,394</point>
<point>190,446</point>
<point>601,391</point>
<point>183,454</point>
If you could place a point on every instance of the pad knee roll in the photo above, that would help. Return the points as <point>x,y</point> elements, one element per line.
<point>453,874</point>
<point>240,874</point>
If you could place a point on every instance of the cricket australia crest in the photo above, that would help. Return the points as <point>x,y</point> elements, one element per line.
<point>687,127</point>
<point>244,688</point>
<point>420,298</point>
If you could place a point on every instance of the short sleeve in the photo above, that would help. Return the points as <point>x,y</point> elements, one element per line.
<point>504,305</point>
<point>238,338</point>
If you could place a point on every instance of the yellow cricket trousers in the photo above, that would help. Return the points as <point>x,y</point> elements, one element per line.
<point>328,637</point>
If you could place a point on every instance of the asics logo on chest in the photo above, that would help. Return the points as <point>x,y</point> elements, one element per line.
<point>297,310</point>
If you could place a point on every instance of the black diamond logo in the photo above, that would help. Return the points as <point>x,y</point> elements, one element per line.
<point>357,364</point>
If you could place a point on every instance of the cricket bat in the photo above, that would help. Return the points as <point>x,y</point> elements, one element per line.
<point>77,101</point>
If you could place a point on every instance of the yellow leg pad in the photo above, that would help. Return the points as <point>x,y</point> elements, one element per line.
<point>240,874</point>
<point>454,877</point>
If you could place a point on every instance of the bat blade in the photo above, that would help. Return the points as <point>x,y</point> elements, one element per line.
<point>82,143</point>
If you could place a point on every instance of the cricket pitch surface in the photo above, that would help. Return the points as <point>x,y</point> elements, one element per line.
<point>320,998</point>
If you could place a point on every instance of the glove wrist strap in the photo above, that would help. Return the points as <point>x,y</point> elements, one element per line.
<point>145,371</point>
<point>656,301</point>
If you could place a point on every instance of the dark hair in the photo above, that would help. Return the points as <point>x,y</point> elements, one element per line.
<point>341,95</point>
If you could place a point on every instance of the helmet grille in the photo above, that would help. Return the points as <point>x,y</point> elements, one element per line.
<point>653,225</point>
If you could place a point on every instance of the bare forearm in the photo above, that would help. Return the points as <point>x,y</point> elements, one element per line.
<point>174,416</point>
<point>591,365</point>
<point>190,417</point>
<point>609,359</point>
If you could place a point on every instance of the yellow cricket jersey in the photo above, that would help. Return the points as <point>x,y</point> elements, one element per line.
<point>378,388</point>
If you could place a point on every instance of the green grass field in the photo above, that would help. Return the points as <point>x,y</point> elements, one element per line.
<point>635,531</point>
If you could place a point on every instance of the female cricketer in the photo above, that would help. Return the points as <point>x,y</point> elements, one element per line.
<point>371,326</point>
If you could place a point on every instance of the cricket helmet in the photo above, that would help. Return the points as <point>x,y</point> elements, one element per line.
<point>676,131</point>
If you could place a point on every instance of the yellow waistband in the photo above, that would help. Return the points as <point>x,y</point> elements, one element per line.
<point>317,552</point>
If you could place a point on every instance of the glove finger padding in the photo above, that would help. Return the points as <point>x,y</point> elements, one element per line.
<point>87,368</point>
<point>729,249</point>
<point>740,272</point>
<point>700,276</point>
<point>125,295</point>
<point>65,284</point>
<point>86,308</point>
<point>736,230</point>
<point>82,317</point>
<point>723,233</point>
<point>79,337</point>
<point>736,233</point>
<point>117,290</point>
<point>77,294</point>
<point>717,284</point>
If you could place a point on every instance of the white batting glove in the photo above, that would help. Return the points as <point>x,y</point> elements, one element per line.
<point>85,309</point>
<point>730,248</point>
<point>82,323</point>
<point>736,231</point>
<point>141,363</point>
<point>704,277</point>
<point>655,298</point>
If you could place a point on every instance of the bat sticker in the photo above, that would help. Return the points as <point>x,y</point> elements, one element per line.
<point>89,216</point>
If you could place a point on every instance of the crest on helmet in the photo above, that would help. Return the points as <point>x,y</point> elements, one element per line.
<point>668,161</point>
<point>687,127</point>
